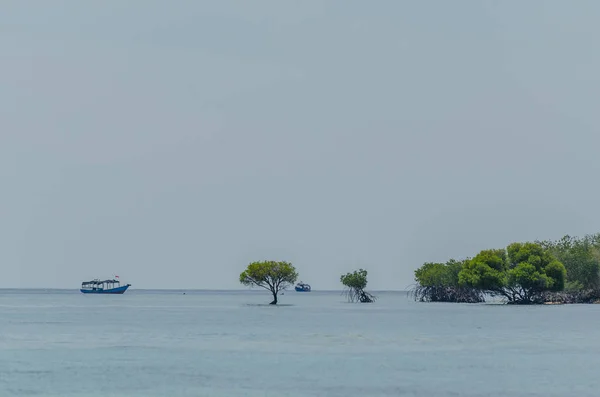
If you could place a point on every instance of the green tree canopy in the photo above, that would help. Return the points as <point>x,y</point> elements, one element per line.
<point>486,271</point>
<point>355,284</point>
<point>270,275</point>
<point>522,273</point>
<point>433,275</point>
<point>439,282</point>
<point>581,258</point>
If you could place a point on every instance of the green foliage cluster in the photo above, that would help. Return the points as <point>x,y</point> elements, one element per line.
<point>523,273</point>
<point>435,274</point>
<point>581,258</point>
<point>439,282</point>
<point>355,284</point>
<point>356,279</point>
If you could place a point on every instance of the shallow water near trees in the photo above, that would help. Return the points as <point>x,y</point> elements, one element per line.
<point>220,343</point>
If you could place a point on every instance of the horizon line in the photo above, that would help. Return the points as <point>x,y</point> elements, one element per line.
<point>189,289</point>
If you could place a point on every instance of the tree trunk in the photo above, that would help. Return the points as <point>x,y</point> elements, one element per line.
<point>274,298</point>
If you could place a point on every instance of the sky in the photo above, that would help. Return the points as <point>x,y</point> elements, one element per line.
<point>173,143</point>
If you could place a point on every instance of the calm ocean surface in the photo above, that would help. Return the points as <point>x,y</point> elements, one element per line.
<point>164,343</point>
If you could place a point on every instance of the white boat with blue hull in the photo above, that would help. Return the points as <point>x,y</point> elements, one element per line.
<point>302,287</point>
<point>103,287</point>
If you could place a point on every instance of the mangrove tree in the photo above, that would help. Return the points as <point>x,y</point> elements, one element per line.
<point>355,284</point>
<point>270,275</point>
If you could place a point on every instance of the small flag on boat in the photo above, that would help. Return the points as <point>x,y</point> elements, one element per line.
<point>116,276</point>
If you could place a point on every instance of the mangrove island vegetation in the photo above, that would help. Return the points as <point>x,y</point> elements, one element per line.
<point>562,271</point>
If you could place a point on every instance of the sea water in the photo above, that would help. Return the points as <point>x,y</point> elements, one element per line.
<point>167,343</point>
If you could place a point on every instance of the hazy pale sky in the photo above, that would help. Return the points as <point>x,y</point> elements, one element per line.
<point>172,143</point>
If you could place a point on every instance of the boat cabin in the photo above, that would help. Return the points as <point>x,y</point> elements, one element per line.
<point>302,287</point>
<point>100,285</point>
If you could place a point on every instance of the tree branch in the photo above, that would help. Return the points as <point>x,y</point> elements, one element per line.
<point>258,283</point>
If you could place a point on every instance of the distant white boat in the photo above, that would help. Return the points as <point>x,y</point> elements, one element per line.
<point>103,287</point>
<point>302,287</point>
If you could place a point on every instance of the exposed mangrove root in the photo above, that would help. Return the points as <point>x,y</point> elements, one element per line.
<point>359,295</point>
<point>571,297</point>
<point>469,295</point>
<point>554,297</point>
<point>447,294</point>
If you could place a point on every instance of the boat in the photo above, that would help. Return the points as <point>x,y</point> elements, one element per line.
<point>103,287</point>
<point>302,287</point>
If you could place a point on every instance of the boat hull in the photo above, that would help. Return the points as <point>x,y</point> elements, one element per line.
<point>113,291</point>
<point>298,289</point>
